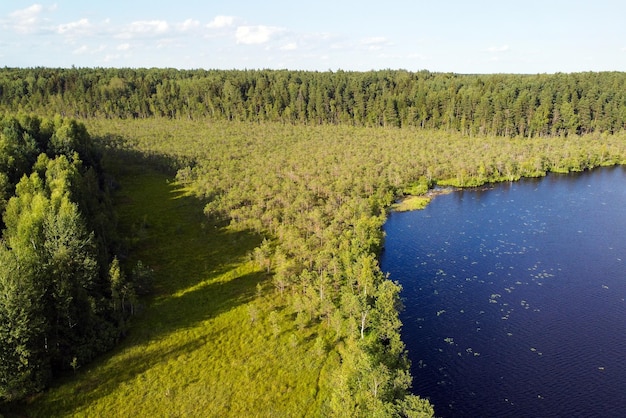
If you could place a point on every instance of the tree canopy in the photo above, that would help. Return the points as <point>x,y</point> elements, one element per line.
<point>57,308</point>
<point>499,104</point>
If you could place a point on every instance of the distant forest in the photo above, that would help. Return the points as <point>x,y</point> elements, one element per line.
<point>499,104</point>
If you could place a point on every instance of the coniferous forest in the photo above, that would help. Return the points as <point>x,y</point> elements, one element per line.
<point>302,167</point>
<point>500,104</point>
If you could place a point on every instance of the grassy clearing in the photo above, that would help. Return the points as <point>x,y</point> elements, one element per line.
<point>211,340</point>
<point>411,203</point>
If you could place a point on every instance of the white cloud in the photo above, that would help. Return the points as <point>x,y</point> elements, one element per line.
<point>375,40</point>
<point>188,24</point>
<point>254,35</point>
<point>221,22</point>
<point>339,45</point>
<point>375,43</point>
<point>80,26</point>
<point>418,56</point>
<point>291,46</point>
<point>123,47</point>
<point>81,50</point>
<point>85,49</point>
<point>26,20</point>
<point>149,26</point>
<point>502,48</point>
<point>145,28</point>
<point>165,43</point>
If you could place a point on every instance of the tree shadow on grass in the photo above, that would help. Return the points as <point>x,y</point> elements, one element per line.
<point>201,271</point>
<point>127,363</point>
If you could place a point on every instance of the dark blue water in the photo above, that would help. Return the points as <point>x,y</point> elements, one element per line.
<point>515,297</point>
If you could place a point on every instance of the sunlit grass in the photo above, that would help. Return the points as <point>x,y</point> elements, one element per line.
<point>411,203</point>
<point>206,343</point>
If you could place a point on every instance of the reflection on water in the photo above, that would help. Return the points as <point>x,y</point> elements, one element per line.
<point>515,297</point>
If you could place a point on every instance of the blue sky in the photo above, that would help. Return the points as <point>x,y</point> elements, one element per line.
<point>480,36</point>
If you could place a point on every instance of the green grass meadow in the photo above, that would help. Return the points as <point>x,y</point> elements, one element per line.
<point>211,340</point>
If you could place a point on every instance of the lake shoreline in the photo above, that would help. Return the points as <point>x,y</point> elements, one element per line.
<point>483,276</point>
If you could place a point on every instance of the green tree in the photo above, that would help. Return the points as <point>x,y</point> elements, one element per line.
<point>23,342</point>
<point>24,329</point>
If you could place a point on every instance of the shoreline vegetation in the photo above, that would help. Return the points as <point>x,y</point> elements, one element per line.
<point>410,202</point>
<point>300,170</point>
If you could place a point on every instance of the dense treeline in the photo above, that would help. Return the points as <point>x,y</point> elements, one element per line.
<point>502,104</point>
<point>63,296</point>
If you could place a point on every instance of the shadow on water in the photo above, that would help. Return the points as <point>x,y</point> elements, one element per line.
<point>200,268</point>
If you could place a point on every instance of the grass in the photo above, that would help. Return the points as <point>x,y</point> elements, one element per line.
<point>211,341</point>
<point>411,203</point>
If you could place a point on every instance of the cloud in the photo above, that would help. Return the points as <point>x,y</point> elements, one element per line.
<point>149,26</point>
<point>26,20</point>
<point>143,28</point>
<point>188,25</point>
<point>502,48</point>
<point>375,43</point>
<point>340,45</point>
<point>254,35</point>
<point>418,56</point>
<point>111,57</point>
<point>165,43</point>
<point>375,40</point>
<point>221,22</point>
<point>291,46</point>
<point>79,27</point>
<point>81,50</point>
<point>85,49</point>
<point>123,47</point>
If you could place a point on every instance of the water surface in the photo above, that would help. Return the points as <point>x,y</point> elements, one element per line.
<point>515,297</point>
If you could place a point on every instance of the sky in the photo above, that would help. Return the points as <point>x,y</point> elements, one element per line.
<point>459,36</point>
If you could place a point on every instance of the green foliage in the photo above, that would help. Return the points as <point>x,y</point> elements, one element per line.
<point>53,307</point>
<point>23,367</point>
<point>420,187</point>
<point>499,104</point>
<point>142,279</point>
<point>207,342</point>
<point>309,170</point>
<point>414,407</point>
<point>69,136</point>
<point>18,149</point>
<point>319,196</point>
<point>411,203</point>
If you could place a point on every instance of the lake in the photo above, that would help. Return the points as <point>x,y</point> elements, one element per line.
<point>515,296</point>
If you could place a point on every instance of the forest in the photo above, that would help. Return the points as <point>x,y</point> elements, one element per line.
<point>64,297</point>
<point>500,104</point>
<point>305,164</point>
